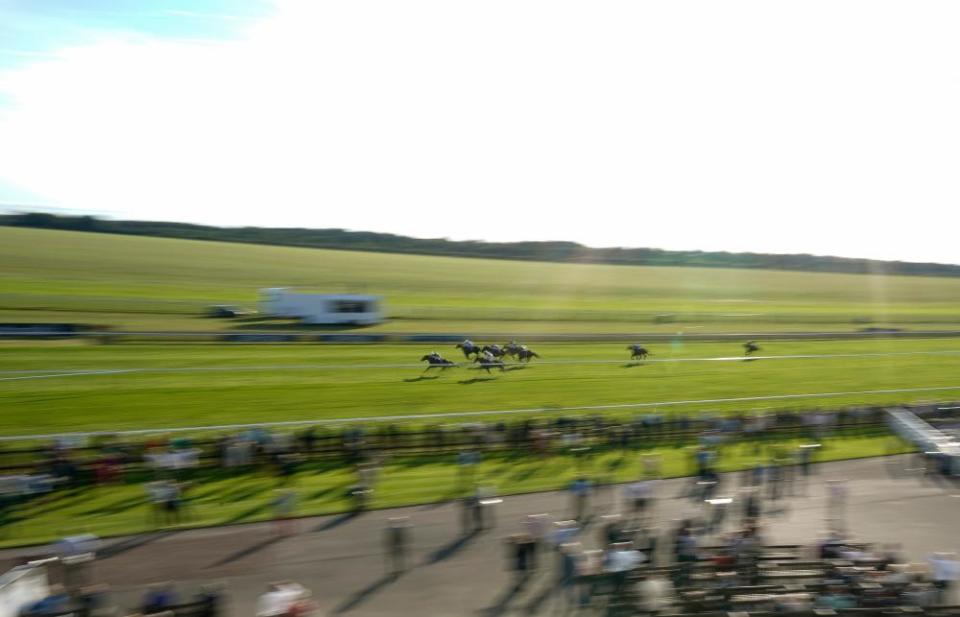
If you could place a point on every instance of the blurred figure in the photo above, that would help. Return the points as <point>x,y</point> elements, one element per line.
<point>837,504</point>
<point>467,462</point>
<point>210,600</point>
<point>284,505</point>
<point>650,466</point>
<point>945,569</point>
<point>159,597</point>
<point>522,555</point>
<point>580,496</point>
<point>656,593</point>
<point>620,559</point>
<point>538,526</point>
<point>569,567</point>
<point>57,602</point>
<point>467,505</point>
<point>397,542</point>
<point>282,600</point>
<point>686,551</point>
<point>639,496</point>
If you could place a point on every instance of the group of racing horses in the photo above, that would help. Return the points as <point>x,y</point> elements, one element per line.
<point>487,356</point>
<point>491,356</point>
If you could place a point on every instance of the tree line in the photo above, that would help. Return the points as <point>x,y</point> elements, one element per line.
<point>567,252</point>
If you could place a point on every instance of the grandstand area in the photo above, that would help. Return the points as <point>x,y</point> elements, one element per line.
<point>457,571</point>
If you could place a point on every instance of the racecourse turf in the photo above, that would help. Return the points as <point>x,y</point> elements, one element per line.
<point>140,283</point>
<point>64,388</point>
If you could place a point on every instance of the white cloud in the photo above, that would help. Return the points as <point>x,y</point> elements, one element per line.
<point>805,126</point>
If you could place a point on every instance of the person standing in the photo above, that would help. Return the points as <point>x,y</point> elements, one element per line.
<point>397,542</point>
<point>521,553</point>
<point>945,571</point>
<point>284,505</point>
<point>837,504</point>
<point>580,494</point>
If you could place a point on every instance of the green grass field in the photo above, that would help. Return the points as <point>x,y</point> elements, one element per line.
<point>153,284</point>
<point>139,283</point>
<point>195,385</point>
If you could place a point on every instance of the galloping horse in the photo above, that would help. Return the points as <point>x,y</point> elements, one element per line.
<point>512,348</point>
<point>750,347</point>
<point>469,348</point>
<point>524,354</point>
<point>638,351</point>
<point>494,350</point>
<point>487,362</point>
<point>435,360</point>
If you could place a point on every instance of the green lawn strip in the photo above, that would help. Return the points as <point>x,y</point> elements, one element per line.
<point>189,399</point>
<point>221,499</point>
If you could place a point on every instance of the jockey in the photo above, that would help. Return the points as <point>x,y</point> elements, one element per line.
<point>488,357</point>
<point>467,343</point>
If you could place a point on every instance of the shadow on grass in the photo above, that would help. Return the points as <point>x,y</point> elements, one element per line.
<point>239,516</point>
<point>118,506</point>
<point>522,474</point>
<point>467,382</point>
<point>616,463</point>
<point>516,367</point>
<point>341,488</point>
<point>243,494</point>
<point>421,378</point>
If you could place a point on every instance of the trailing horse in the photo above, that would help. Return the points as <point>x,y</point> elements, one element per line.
<point>525,355</point>
<point>638,352</point>
<point>487,363</point>
<point>436,361</point>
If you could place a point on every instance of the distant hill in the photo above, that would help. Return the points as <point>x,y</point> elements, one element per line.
<point>533,251</point>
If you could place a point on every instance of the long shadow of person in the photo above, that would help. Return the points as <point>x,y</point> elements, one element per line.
<point>500,606</point>
<point>365,594</point>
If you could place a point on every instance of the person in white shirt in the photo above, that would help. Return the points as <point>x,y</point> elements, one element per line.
<point>945,571</point>
<point>279,599</point>
<point>655,593</point>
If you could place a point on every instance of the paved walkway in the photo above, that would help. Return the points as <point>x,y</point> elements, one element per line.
<point>341,558</point>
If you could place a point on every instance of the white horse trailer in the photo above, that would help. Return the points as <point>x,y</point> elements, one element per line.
<point>322,309</point>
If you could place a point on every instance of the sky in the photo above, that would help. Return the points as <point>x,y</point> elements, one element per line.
<point>825,127</point>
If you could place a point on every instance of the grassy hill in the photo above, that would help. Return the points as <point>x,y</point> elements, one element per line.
<point>149,283</point>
